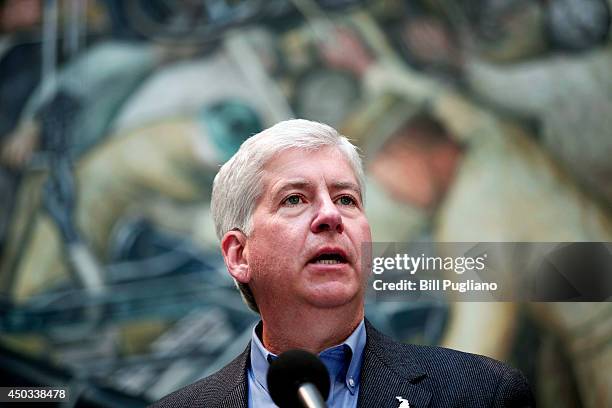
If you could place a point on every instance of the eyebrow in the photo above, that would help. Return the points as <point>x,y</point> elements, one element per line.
<point>290,185</point>
<point>346,185</point>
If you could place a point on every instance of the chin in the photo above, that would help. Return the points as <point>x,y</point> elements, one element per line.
<point>332,294</point>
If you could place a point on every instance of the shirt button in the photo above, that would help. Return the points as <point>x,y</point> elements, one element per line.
<point>351,382</point>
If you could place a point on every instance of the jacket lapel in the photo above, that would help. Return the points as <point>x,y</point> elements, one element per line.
<point>236,377</point>
<point>387,372</point>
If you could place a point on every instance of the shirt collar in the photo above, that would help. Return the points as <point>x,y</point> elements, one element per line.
<point>351,348</point>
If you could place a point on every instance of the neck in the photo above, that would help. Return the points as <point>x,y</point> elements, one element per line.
<point>312,330</point>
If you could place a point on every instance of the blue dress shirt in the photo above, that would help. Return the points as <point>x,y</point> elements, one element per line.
<point>342,361</point>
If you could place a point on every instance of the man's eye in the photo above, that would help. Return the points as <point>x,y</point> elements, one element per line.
<point>347,200</point>
<point>293,200</point>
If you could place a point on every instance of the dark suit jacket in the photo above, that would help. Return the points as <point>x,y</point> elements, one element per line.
<point>425,376</point>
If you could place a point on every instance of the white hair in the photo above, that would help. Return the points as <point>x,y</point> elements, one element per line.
<point>238,185</point>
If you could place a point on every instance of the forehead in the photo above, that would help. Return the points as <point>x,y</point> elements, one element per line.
<point>327,164</point>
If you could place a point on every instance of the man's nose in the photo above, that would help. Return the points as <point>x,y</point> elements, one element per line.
<point>328,217</point>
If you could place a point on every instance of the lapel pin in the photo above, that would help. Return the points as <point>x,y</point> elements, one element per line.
<point>403,403</point>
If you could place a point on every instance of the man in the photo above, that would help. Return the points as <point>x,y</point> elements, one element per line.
<point>288,209</point>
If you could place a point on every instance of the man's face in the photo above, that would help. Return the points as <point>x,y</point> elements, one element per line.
<point>308,227</point>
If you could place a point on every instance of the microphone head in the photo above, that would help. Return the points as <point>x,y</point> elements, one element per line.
<point>291,370</point>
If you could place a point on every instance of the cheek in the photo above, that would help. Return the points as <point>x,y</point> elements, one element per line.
<point>265,267</point>
<point>361,239</point>
<point>364,234</point>
<point>273,247</point>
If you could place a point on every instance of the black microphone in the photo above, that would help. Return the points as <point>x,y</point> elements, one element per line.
<point>298,378</point>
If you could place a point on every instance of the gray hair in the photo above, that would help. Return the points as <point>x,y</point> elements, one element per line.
<point>238,185</point>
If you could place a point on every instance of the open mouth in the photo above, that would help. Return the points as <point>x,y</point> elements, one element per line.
<point>332,258</point>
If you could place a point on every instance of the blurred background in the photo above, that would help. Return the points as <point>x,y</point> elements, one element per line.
<point>479,120</point>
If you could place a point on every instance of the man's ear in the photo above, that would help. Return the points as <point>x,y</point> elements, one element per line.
<point>233,247</point>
